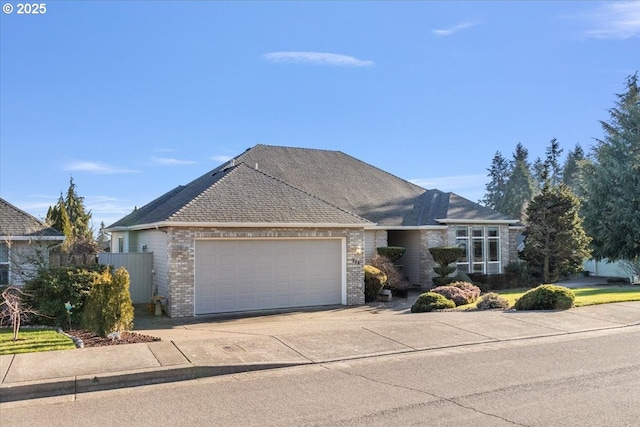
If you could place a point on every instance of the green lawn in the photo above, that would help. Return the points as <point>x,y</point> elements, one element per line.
<point>32,340</point>
<point>584,296</point>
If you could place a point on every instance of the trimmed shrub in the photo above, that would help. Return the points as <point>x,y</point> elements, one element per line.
<point>462,277</point>
<point>522,272</point>
<point>461,293</point>
<point>445,255</point>
<point>385,265</point>
<point>393,253</point>
<point>374,280</point>
<point>108,308</point>
<point>472,290</point>
<point>492,301</point>
<point>496,281</point>
<point>457,295</point>
<point>430,301</point>
<point>53,287</point>
<point>546,297</point>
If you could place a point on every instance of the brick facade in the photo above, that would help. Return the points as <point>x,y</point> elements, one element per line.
<point>181,266</point>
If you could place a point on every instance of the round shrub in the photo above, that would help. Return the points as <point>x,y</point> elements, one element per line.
<point>492,301</point>
<point>462,277</point>
<point>374,280</point>
<point>472,290</point>
<point>457,295</point>
<point>53,287</point>
<point>430,301</point>
<point>546,297</point>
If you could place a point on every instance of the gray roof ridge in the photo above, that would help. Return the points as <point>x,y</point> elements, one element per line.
<point>301,191</point>
<point>425,203</point>
<point>226,168</point>
<point>381,170</point>
<point>336,151</point>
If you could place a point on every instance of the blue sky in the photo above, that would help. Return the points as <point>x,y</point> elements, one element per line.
<point>134,98</point>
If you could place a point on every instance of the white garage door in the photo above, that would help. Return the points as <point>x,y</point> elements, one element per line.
<point>242,275</point>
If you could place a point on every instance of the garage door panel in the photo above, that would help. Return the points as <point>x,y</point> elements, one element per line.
<point>240,275</point>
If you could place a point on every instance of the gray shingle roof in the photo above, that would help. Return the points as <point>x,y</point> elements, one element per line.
<point>16,223</point>
<point>341,180</point>
<point>239,194</point>
<point>286,184</point>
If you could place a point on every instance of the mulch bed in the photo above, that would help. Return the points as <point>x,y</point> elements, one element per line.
<point>90,339</point>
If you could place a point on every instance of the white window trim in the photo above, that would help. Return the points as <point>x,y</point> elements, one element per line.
<point>469,239</point>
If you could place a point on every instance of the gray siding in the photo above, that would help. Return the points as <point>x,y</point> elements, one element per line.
<point>139,266</point>
<point>156,242</point>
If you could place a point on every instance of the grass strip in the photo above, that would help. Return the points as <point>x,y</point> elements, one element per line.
<point>33,340</point>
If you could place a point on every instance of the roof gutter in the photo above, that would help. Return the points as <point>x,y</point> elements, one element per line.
<point>30,238</point>
<point>477,221</point>
<point>162,224</point>
<point>406,227</point>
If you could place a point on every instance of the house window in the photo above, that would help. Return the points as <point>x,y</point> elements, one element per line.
<point>120,244</point>
<point>4,264</point>
<point>481,246</point>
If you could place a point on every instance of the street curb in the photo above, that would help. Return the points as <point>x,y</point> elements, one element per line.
<point>28,390</point>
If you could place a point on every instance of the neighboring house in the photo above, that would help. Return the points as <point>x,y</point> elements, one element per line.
<point>25,242</point>
<point>280,227</point>
<point>606,268</point>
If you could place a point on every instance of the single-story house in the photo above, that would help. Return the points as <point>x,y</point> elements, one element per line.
<point>25,243</point>
<point>281,227</point>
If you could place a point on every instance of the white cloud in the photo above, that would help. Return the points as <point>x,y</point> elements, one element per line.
<point>614,20</point>
<point>95,167</point>
<point>169,161</point>
<point>317,58</point>
<point>444,32</point>
<point>221,158</point>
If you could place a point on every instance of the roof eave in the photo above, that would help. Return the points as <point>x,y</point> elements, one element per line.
<point>477,221</point>
<point>405,227</point>
<point>164,224</point>
<point>29,238</point>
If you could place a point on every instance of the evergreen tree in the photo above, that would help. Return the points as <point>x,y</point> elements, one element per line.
<point>555,242</point>
<point>612,181</point>
<point>552,163</point>
<point>538,173</point>
<point>549,169</point>
<point>58,218</point>
<point>571,171</point>
<point>69,217</point>
<point>78,217</point>
<point>520,187</point>
<point>494,197</point>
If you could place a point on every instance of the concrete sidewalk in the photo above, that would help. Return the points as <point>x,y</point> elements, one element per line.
<point>218,345</point>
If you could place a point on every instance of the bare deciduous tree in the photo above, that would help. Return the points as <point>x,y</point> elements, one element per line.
<point>13,311</point>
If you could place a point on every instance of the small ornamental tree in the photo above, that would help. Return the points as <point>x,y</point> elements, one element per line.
<point>445,255</point>
<point>13,310</point>
<point>108,308</point>
<point>394,253</point>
